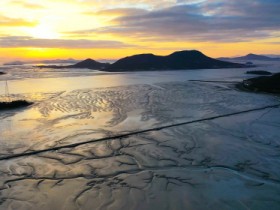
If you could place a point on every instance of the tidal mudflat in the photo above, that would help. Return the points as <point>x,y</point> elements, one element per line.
<point>139,141</point>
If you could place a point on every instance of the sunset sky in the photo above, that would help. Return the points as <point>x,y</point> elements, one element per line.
<point>110,29</point>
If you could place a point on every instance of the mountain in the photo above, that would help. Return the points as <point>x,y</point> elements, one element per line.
<point>252,56</point>
<point>85,64</point>
<point>256,57</point>
<point>178,60</point>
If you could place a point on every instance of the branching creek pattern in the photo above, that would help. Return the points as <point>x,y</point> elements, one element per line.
<point>174,145</point>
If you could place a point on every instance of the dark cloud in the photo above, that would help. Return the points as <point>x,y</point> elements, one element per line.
<point>212,20</point>
<point>25,41</point>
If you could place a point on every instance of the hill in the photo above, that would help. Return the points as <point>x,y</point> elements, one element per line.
<point>178,60</point>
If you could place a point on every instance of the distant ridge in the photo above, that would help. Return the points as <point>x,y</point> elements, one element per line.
<point>252,56</point>
<point>192,59</point>
<point>85,64</point>
<point>14,63</point>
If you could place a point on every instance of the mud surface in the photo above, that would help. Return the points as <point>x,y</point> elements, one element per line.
<point>168,145</point>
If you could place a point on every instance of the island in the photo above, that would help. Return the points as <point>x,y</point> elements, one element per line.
<point>259,72</point>
<point>14,104</point>
<point>182,60</point>
<point>269,84</point>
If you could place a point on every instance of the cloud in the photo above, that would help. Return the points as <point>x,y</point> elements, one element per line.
<point>29,42</point>
<point>28,5</point>
<point>121,12</point>
<point>14,22</point>
<point>204,20</point>
<point>274,43</point>
<point>144,4</point>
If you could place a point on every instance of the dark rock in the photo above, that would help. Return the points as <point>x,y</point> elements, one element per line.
<point>179,60</point>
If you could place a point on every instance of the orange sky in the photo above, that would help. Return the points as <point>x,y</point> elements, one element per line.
<point>46,29</point>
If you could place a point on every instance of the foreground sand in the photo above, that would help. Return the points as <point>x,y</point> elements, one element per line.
<point>175,145</point>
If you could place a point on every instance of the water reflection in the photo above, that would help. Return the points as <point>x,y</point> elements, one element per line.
<point>81,115</point>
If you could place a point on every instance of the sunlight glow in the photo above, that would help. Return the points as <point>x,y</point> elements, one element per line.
<point>43,31</point>
<point>46,29</point>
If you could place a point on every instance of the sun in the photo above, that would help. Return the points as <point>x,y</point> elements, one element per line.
<point>43,31</point>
